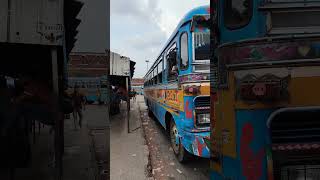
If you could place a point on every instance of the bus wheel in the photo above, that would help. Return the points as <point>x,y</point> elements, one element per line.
<point>149,112</point>
<point>176,144</point>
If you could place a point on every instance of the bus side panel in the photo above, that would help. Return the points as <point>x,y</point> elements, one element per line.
<point>160,114</point>
<point>252,143</point>
<point>157,109</point>
<point>215,176</point>
<point>193,142</point>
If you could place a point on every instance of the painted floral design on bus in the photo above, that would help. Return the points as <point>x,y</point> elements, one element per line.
<point>188,110</point>
<point>270,52</point>
<point>199,146</point>
<point>193,77</point>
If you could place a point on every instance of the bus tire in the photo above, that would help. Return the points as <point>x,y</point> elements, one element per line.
<point>150,114</point>
<point>149,109</point>
<point>181,153</point>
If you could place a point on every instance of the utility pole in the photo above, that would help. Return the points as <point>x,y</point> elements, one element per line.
<point>147,61</point>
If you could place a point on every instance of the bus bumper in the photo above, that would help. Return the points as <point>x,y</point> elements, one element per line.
<point>195,143</point>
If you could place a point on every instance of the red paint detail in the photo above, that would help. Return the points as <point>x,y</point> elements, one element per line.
<point>190,89</point>
<point>259,89</point>
<point>251,162</point>
<point>200,28</point>
<point>200,146</point>
<point>209,10</point>
<point>188,110</point>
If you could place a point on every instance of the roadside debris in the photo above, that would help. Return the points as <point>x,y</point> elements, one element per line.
<point>179,171</point>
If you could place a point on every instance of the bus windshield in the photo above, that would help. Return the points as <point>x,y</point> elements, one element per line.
<point>202,45</point>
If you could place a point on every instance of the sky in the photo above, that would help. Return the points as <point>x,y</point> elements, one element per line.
<point>140,28</point>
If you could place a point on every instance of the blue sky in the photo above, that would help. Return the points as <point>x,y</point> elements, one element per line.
<point>139,28</point>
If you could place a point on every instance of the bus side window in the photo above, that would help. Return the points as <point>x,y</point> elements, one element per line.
<point>184,56</point>
<point>237,13</point>
<point>160,69</point>
<point>171,58</point>
<point>153,79</point>
<point>156,74</point>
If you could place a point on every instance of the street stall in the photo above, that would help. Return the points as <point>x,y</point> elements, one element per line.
<point>121,73</point>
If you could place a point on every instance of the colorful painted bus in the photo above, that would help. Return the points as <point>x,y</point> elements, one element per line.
<point>94,88</point>
<point>176,87</point>
<point>265,98</point>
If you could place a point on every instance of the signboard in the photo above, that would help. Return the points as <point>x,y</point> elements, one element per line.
<point>32,22</point>
<point>119,65</point>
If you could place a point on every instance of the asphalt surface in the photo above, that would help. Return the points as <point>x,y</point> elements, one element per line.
<point>86,150</point>
<point>128,150</point>
<point>165,165</point>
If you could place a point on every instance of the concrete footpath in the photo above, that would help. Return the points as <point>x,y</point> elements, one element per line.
<point>129,152</point>
<point>86,154</point>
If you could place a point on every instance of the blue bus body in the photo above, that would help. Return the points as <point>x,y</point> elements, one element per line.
<point>263,106</point>
<point>176,87</point>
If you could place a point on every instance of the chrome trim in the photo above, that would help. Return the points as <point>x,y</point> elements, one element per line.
<point>201,62</point>
<point>200,96</point>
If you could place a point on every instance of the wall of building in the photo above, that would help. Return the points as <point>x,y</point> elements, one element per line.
<point>87,64</point>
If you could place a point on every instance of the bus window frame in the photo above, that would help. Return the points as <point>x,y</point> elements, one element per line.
<point>180,51</point>
<point>155,69</point>
<point>251,14</point>
<point>160,65</point>
<point>174,43</point>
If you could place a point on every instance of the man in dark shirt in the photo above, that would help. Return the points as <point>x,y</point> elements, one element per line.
<point>77,100</point>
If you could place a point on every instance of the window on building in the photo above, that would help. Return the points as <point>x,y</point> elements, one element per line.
<point>237,13</point>
<point>184,56</point>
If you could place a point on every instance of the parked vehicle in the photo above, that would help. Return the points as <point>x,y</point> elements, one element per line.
<point>103,90</point>
<point>89,86</point>
<point>176,87</point>
<point>265,102</point>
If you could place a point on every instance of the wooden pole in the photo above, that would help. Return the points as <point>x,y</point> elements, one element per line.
<point>57,126</point>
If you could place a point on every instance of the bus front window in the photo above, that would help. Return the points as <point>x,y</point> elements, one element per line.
<point>201,45</point>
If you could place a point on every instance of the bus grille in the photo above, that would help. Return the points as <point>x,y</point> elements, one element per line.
<point>296,127</point>
<point>202,102</point>
<point>296,145</point>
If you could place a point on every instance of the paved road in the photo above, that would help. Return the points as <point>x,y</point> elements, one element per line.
<point>164,163</point>
<point>128,150</point>
<point>78,162</point>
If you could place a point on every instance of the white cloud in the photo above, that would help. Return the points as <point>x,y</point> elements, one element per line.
<point>140,28</point>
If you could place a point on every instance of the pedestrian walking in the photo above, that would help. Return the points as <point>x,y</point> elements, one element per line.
<point>122,93</point>
<point>77,100</point>
<point>134,95</point>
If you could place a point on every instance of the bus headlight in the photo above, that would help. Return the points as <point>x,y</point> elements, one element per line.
<point>203,118</point>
